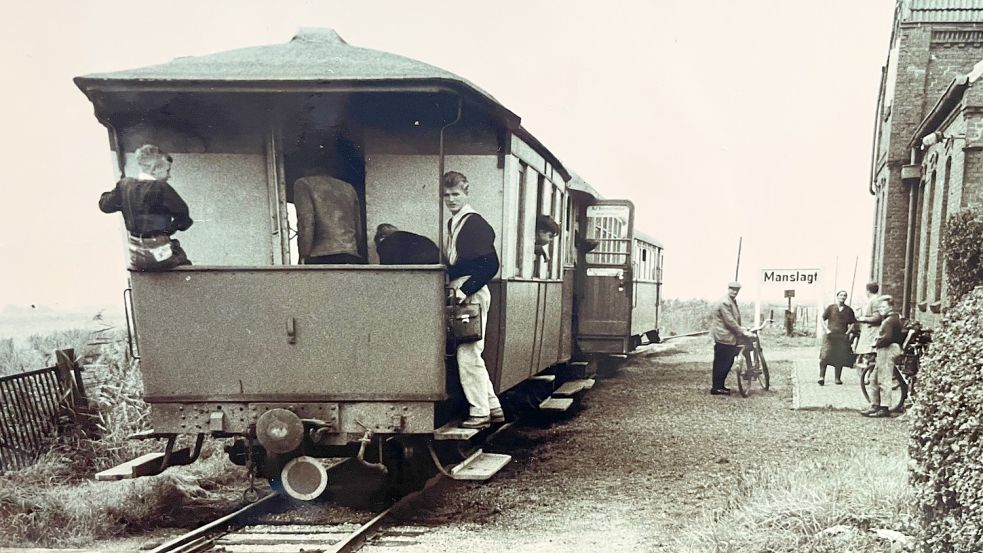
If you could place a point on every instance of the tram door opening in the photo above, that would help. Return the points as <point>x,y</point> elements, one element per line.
<point>319,136</point>
<point>604,312</point>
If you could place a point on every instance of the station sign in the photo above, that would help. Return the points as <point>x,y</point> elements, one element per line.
<point>614,211</point>
<point>793,277</point>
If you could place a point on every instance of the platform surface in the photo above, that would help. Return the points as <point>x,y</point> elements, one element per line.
<point>808,394</point>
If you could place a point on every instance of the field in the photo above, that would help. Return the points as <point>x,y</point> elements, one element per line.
<point>29,337</point>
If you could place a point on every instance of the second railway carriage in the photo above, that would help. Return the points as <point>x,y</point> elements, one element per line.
<point>305,363</point>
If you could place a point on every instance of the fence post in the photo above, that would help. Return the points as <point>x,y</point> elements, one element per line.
<point>66,365</point>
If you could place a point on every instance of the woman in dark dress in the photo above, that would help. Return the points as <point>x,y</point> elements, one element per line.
<point>836,345</point>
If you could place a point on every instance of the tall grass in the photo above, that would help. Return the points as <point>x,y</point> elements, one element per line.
<point>36,511</point>
<point>55,502</point>
<point>824,505</point>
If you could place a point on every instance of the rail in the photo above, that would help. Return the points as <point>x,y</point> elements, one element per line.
<point>36,407</point>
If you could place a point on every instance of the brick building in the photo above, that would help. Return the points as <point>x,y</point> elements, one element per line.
<point>927,159</point>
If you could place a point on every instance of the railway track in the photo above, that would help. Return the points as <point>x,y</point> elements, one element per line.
<point>245,532</point>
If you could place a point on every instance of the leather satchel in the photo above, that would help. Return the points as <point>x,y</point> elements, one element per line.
<point>464,323</point>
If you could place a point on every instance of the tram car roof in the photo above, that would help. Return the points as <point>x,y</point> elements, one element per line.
<point>315,60</point>
<point>642,237</point>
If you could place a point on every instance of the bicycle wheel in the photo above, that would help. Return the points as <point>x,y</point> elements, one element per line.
<point>765,378</point>
<point>899,390</point>
<point>865,382</point>
<point>744,375</point>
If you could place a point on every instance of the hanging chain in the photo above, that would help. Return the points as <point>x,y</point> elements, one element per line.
<point>251,493</point>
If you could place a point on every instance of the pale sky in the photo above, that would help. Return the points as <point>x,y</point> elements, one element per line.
<point>718,119</point>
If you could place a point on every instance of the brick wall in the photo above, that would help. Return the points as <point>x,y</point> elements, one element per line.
<point>927,61</point>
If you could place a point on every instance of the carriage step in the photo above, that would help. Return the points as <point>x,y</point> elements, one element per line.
<point>574,387</point>
<point>480,466</point>
<point>578,369</point>
<point>145,465</point>
<point>453,431</point>
<point>544,378</point>
<point>556,404</point>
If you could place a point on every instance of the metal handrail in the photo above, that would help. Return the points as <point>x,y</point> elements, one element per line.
<point>131,330</point>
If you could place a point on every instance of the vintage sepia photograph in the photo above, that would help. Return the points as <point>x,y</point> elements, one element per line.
<point>432,276</point>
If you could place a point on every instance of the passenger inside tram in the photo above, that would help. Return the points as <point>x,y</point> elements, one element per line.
<point>324,168</point>
<point>329,219</point>
<point>399,247</point>
<point>546,230</point>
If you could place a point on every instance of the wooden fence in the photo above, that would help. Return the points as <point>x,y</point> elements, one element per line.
<point>36,407</point>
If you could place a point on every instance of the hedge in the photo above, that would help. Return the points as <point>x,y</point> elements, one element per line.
<point>962,246</point>
<point>946,445</point>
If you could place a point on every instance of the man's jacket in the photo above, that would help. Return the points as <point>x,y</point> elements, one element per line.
<point>726,325</point>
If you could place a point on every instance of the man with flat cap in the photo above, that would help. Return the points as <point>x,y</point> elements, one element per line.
<point>727,333</point>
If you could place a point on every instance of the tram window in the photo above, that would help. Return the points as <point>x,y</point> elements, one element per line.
<point>520,227</point>
<point>548,230</point>
<point>570,242</point>
<point>540,268</point>
<point>557,244</point>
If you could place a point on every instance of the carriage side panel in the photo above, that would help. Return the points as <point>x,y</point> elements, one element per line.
<point>282,333</point>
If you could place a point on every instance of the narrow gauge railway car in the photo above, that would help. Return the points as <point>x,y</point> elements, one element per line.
<point>308,368</point>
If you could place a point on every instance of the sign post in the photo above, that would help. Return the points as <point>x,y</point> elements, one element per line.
<point>803,283</point>
<point>789,318</point>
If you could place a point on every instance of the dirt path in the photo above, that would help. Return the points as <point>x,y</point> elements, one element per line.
<point>648,452</point>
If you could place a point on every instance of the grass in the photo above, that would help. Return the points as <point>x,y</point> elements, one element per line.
<point>46,505</point>
<point>56,502</point>
<point>810,508</point>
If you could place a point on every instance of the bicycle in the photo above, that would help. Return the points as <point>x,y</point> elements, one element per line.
<point>906,366</point>
<point>750,365</point>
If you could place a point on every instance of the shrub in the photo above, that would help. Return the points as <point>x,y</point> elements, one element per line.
<point>962,245</point>
<point>946,444</point>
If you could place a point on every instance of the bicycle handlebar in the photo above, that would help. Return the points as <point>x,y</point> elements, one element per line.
<point>763,324</point>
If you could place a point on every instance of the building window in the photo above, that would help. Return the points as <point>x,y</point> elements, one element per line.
<point>928,205</point>
<point>940,259</point>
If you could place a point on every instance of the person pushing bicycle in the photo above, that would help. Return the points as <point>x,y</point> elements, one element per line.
<point>727,334</point>
<point>870,322</point>
<point>888,346</point>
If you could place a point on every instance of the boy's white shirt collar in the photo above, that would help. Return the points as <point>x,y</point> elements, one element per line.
<point>454,224</point>
<point>461,213</point>
<point>145,176</point>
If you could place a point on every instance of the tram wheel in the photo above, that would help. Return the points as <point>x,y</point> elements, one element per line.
<point>409,464</point>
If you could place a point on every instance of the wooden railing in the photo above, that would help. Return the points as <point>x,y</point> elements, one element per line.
<point>36,407</point>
